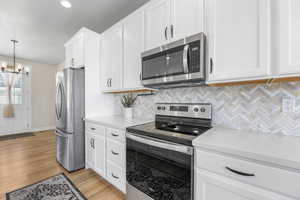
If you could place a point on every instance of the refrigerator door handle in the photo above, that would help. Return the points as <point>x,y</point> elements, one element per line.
<point>58,107</point>
<point>61,98</point>
<point>60,135</point>
<point>58,95</point>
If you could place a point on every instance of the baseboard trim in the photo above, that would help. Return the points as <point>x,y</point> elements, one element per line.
<point>42,129</point>
<point>28,130</point>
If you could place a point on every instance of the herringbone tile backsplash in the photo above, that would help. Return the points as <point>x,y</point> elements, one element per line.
<point>250,107</point>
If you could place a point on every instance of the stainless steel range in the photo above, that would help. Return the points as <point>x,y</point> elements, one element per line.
<point>160,156</point>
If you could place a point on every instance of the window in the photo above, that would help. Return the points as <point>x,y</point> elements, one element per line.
<point>16,91</point>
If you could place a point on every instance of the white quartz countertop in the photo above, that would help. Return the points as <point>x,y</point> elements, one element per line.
<point>116,121</point>
<point>279,150</point>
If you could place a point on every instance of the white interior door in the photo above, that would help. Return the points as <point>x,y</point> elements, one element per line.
<point>21,122</point>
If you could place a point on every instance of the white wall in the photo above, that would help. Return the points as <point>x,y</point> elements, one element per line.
<point>42,93</point>
<point>60,66</point>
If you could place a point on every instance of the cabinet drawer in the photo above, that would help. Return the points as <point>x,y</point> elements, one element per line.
<point>272,178</point>
<point>94,128</point>
<point>116,176</point>
<point>115,134</point>
<point>116,153</point>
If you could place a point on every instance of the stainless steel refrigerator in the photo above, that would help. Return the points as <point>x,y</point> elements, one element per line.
<point>69,109</point>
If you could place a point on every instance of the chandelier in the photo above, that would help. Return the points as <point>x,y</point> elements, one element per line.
<point>15,68</point>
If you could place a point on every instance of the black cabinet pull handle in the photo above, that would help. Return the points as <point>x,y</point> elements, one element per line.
<point>115,153</point>
<point>116,177</point>
<point>211,65</point>
<point>115,135</point>
<point>166,33</point>
<point>91,142</point>
<point>93,129</point>
<point>238,172</point>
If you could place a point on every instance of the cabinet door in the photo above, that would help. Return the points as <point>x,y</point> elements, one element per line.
<point>211,186</point>
<point>89,149</point>
<point>289,36</point>
<point>133,47</point>
<point>78,51</point>
<point>100,155</point>
<point>112,58</point>
<point>187,18</point>
<point>68,55</point>
<point>157,20</point>
<point>238,33</point>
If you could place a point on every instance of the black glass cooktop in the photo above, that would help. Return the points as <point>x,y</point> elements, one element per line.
<point>184,129</point>
<point>177,133</point>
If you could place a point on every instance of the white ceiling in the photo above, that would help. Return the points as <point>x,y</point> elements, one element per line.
<point>43,26</point>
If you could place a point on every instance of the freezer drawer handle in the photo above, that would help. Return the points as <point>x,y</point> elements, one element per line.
<point>239,172</point>
<point>116,177</point>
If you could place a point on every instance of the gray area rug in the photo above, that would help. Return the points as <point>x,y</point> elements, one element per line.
<point>58,187</point>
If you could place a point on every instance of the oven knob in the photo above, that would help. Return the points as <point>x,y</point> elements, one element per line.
<point>202,109</point>
<point>158,108</point>
<point>163,108</point>
<point>196,109</point>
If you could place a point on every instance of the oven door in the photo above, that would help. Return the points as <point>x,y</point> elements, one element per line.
<point>158,170</point>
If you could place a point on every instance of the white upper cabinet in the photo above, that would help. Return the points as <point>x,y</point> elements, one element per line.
<point>289,33</point>
<point>171,20</point>
<point>112,58</point>
<point>133,47</point>
<point>238,38</point>
<point>69,55</point>
<point>157,20</point>
<point>74,51</point>
<point>78,51</point>
<point>186,18</point>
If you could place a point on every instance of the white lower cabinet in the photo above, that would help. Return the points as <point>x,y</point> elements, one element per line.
<point>116,153</point>
<point>210,186</point>
<point>219,176</point>
<point>106,153</point>
<point>116,176</point>
<point>100,158</point>
<point>89,150</point>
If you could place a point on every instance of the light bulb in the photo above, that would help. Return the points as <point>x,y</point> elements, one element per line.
<point>27,70</point>
<point>3,66</point>
<point>19,67</point>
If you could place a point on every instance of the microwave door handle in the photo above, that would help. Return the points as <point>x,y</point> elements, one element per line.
<point>185,59</point>
<point>202,52</point>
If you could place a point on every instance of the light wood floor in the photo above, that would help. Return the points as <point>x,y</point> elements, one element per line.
<point>24,161</point>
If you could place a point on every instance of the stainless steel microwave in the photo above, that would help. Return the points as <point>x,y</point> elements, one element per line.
<point>178,64</point>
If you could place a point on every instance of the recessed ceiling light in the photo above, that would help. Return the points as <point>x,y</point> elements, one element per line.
<point>66,3</point>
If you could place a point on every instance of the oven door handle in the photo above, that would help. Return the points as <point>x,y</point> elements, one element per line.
<point>161,144</point>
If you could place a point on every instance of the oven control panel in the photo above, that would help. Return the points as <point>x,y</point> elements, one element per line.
<point>199,110</point>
